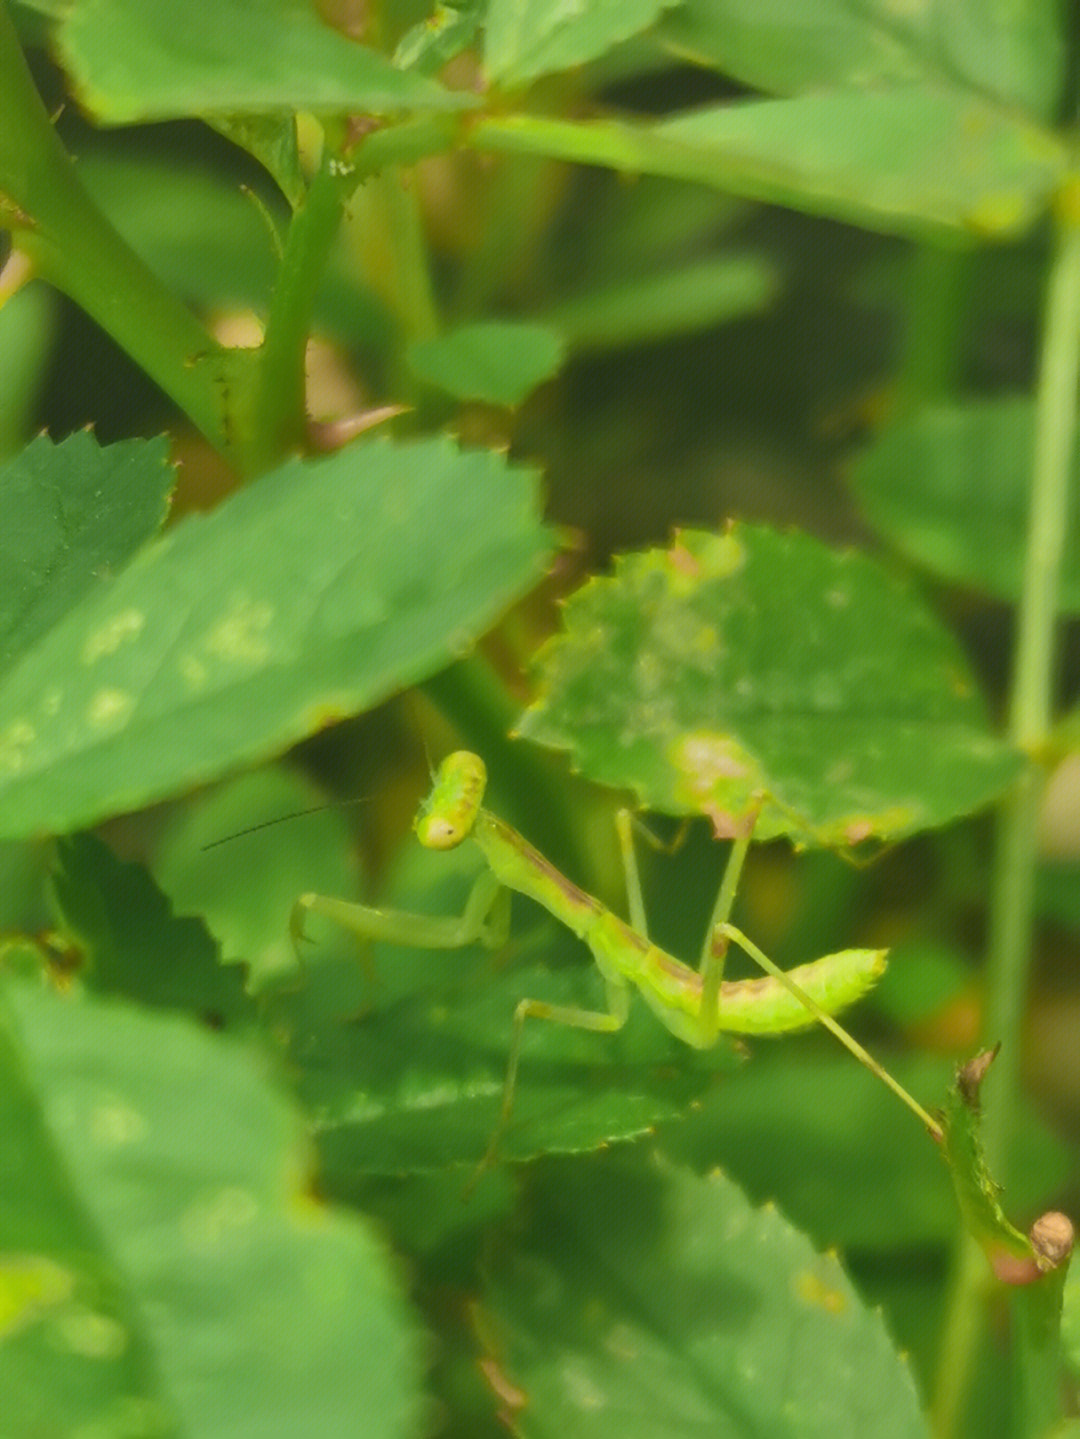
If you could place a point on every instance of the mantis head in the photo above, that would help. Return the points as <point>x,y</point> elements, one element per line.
<point>447,816</point>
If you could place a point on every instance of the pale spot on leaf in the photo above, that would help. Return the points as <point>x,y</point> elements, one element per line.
<point>116,1124</point>
<point>110,709</point>
<point>30,1285</point>
<point>115,632</point>
<point>14,742</point>
<point>93,1335</point>
<point>217,1217</point>
<point>812,1289</point>
<point>241,636</point>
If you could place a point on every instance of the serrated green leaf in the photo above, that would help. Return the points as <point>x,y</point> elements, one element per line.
<point>731,667</point>
<point>807,1129</point>
<point>1014,50</point>
<point>500,361</point>
<point>164,1270</point>
<point>695,297</point>
<point>527,38</point>
<point>72,515</point>
<point>165,59</point>
<point>133,943</point>
<point>314,592</point>
<point>950,487</point>
<point>685,1312</point>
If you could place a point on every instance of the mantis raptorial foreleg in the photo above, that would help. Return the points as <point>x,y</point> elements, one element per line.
<point>484,920</point>
<point>694,1004</point>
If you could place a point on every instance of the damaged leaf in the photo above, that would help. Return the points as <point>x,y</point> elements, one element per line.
<point>752,667</point>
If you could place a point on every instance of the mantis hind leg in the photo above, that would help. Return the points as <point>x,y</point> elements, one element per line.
<point>727,932</point>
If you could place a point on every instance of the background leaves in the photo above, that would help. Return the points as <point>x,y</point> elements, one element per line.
<point>691,261</point>
<point>948,485</point>
<point>726,667</point>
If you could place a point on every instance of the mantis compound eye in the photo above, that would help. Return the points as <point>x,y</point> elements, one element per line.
<point>438,831</point>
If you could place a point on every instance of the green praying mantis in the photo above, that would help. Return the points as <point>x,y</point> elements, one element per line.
<point>696,1005</point>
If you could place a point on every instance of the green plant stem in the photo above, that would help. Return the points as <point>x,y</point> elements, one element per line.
<point>387,236</point>
<point>961,1335</point>
<point>412,264</point>
<point>72,246</point>
<point>937,319</point>
<point>1036,1320</point>
<point>405,144</point>
<point>1031,707</point>
<point>279,410</point>
<point>608,143</point>
<point>1013,878</point>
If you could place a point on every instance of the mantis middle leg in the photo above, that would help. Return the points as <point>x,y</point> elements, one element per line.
<point>598,1021</point>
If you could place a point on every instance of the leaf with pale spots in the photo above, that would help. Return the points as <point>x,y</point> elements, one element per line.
<point>311,595</point>
<point>165,1268</point>
<point>752,667</point>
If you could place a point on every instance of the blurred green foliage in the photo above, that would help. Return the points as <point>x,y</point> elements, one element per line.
<point>639,269</point>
